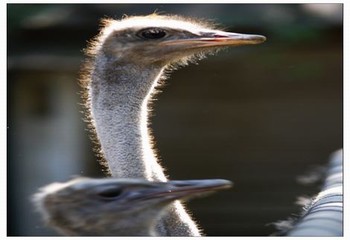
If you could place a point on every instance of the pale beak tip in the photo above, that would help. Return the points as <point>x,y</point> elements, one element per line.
<point>258,39</point>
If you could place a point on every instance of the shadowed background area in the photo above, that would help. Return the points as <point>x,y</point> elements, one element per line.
<point>257,115</point>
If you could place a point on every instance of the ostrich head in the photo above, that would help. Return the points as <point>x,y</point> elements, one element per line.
<point>119,207</point>
<point>161,40</point>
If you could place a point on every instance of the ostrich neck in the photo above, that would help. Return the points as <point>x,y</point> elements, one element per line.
<point>119,99</point>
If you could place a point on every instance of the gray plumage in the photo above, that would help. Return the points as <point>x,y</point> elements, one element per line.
<point>323,216</point>
<point>126,62</point>
<point>114,207</point>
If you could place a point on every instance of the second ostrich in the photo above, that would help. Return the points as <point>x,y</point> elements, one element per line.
<point>125,63</point>
<point>114,207</point>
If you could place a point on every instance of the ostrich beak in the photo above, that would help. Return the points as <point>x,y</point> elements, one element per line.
<point>230,39</point>
<point>217,39</point>
<point>185,189</point>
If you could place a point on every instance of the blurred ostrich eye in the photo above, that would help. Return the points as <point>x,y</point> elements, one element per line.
<point>152,33</point>
<point>110,194</point>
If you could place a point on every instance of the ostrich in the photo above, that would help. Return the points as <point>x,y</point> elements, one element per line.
<point>114,207</point>
<point>125,63</point>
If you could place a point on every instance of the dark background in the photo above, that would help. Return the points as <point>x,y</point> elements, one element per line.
<point>260,115</point>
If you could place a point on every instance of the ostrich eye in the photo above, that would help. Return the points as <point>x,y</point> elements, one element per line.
<point>152,33</point>
<point>110,194</point>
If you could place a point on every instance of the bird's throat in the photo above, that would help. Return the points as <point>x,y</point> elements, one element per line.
<point>119,106</point>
